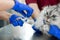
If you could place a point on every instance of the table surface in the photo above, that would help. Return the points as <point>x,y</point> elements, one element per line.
<point>21,33</point>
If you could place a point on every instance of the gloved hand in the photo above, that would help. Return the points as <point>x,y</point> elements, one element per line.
<point>51,30</point>
<point>54,30</point>
<point>21,8</point>
<point>16,20</point>
<point>39,22</point>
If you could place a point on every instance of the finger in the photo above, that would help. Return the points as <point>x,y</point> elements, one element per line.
<point>20,22</point>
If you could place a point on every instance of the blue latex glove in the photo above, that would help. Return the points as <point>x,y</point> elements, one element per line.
<point>34,28</point>
<point>21,7</point>
<point>55,31</point>
<point>16,20</point>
